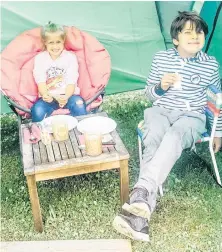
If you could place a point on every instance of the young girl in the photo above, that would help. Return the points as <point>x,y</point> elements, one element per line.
<point>56,74</point>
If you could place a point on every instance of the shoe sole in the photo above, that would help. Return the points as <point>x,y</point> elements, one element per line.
<point>138,209</point>
<point>124,228</point>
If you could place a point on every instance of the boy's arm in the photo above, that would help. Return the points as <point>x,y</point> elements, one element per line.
<point>153,89</point>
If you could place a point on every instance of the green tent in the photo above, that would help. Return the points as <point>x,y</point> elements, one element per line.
<point>132,32</point>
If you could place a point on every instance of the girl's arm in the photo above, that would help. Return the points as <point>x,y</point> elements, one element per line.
<point>42,89</point>
<point>44,92</point>
<point>39,74</point>
<point>72,74</point>
<point>70,89</point>
<point>63,99</point>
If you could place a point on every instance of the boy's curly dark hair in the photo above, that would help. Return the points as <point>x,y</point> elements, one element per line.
<point>180,21</point>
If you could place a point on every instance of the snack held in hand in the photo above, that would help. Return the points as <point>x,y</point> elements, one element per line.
<point>178,83</point>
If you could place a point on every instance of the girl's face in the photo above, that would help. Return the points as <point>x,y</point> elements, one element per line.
<point>54,44</point>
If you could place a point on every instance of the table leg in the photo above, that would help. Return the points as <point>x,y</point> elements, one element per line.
<point>124,181</point>
<point>34,198</point>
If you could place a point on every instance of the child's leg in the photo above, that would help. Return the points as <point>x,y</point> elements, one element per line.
<point>181,135</point>
<point>143,198</point>
<point>76,105</point>
<point>155,126</point>
<point>42,108</point>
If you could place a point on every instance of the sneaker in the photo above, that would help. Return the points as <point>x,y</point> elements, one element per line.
<point>137,204</point>
<point>132,226</point>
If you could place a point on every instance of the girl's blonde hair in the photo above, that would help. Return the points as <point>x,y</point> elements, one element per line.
<point>51,28</point>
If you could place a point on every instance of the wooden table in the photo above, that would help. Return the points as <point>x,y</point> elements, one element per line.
<point>64,159</point>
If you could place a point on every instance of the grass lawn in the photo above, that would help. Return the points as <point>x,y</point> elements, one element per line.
<point>188,217</point>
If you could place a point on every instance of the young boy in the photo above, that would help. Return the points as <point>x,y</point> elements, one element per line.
<point>56,74</point>
<point>177,84</point>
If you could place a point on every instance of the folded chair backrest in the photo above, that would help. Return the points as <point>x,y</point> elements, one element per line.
<point>17,62</point>
<point>212,111</point>
<point>214,101</point>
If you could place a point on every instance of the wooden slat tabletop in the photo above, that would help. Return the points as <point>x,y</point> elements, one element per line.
<point>57,154</point>
<point>38,156</point>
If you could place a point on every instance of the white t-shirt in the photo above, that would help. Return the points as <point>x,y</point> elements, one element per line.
<point>57,74</point>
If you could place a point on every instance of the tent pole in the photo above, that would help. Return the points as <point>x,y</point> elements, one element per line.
<point>214,26</point>
<point>197,7</point>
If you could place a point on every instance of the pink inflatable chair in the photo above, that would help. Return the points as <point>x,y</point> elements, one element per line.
<point>17,62</point>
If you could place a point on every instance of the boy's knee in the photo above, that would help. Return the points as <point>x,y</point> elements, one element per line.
<point>181,137</point>
<point>175,133</point>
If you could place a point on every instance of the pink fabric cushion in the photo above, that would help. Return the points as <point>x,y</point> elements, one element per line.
<point>17,61</point>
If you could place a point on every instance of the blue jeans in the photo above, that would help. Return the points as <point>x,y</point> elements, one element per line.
<point>42,108</point>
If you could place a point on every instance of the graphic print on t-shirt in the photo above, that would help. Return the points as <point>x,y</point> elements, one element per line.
<point>55,78</point>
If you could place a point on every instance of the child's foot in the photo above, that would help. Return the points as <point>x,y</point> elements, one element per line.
<point>132,226</point>
<point>137,204</point>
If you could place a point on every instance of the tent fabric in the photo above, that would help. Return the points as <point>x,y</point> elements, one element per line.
<point>129,31</point>
<point>211,7</point>
<point>132,32</point>
<point>17,62</point>
<point>167,11</point>
<point>215,45</point>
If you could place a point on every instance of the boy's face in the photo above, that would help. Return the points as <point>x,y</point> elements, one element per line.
<point>54,44</point>
<point>189,41</point>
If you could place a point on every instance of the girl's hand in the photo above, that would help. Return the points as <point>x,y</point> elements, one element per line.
<point>47,98</point>
<point>217,143</point>
<point>62,100</point>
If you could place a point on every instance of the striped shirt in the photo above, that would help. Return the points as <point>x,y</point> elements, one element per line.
<point>196,73</point>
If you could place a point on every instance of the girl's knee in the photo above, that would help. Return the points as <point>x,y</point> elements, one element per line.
<point>77,106</point>
<point>38,111</point>
<point>77,100</point>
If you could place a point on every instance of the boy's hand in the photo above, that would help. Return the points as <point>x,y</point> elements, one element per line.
<point>217,143</point>
<point>168,80</point>
<point>62,100</point>
<point>47,98</point>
